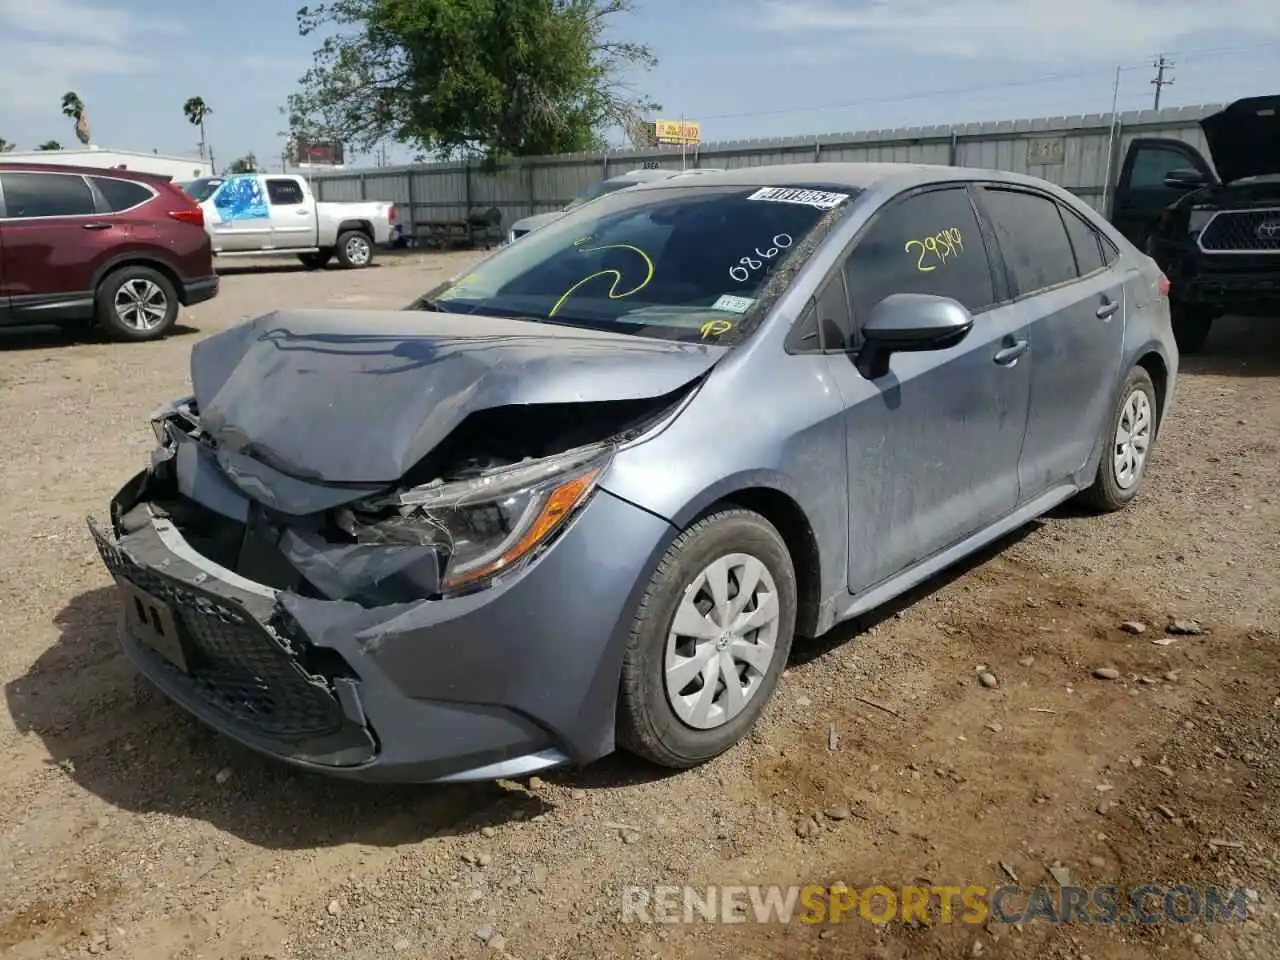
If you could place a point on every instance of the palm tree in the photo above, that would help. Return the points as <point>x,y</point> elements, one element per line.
<point>73,107</point>
<point>50,145</point>
<point>197,111</point>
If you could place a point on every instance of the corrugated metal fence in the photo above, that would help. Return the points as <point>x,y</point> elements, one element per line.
<point>1082,153</point>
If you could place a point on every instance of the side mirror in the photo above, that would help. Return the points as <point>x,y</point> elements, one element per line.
<point>910,323</point>
<point>1188,179</point>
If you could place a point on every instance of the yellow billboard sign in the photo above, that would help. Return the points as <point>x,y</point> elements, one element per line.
<point>677,131</point>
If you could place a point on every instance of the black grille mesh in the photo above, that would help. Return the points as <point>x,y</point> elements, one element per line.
<point>236,668</point>
<point>1243,231</point>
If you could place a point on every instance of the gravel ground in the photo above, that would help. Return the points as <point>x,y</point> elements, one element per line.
<point>129,830</point>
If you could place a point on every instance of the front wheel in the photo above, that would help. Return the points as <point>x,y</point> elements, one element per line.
<point>135,304</point>
<point>1130,432</point>
<point>355,249</point>
<point>709,642</point>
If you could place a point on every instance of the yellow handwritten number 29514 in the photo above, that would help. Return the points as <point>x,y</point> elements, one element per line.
<point>941,247</point>
<point>617,274</point>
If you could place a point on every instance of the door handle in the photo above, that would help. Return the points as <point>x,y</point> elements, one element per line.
<point>1108,309</point>
<point>96,225</point>
<point>1009,355</point>
<point>303,213</point>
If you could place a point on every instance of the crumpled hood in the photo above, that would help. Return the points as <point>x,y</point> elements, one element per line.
<point>1244,139</point>
<point>359,397</point>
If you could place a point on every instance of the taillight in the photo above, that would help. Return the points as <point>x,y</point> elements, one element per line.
<point>391,214</point>
<point>1162,285</point>
<point>193,215</point>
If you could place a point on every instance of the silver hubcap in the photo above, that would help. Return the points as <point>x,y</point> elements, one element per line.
<point>1133,439</point>
<point>358,251</point>
<point>722,641</point>
<point>141,304</point>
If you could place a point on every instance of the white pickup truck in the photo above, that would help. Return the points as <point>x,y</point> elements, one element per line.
<point>256,213</point>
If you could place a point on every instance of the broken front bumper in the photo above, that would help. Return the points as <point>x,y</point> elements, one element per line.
<point>499,683</point>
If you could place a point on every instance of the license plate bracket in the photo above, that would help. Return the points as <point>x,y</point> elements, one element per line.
<point>152,621</point>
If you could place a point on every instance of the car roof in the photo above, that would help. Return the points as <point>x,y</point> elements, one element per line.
<point>23,166</point>
<point>853,176</point>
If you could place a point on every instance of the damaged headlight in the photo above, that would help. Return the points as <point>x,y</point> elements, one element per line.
<point>485,525</point>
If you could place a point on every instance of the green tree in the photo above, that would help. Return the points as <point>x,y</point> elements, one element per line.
<point>73,107</point>
<point>197,111</point>
<point>463,77</point>
<point>246,164</point>
<point>6,146</point>
<point>50,145</point>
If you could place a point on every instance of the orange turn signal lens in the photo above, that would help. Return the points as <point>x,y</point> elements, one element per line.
<point>562,501</point>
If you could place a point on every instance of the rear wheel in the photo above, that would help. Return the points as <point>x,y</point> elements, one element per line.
<point>355,249</point>
<point>709,642</point>
<point>1130,432</point>
<point>135,304</point>
<point>316,260</point>
<point>1191,326</point>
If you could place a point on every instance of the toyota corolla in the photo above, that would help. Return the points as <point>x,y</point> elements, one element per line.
<point>585,494</point>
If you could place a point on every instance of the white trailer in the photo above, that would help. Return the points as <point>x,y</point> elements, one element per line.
<point>178,169</point>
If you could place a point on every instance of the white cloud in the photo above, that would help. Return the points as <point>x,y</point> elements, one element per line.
<point>48,47</point>
<point>72,20</point>
<point>1039,31</point>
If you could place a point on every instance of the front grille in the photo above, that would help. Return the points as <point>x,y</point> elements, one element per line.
<point>236,667</point>
<point>1242,231</point>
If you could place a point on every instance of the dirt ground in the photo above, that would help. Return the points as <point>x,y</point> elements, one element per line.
<point>126,829</point>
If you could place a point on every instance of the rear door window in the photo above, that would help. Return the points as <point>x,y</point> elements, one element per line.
<point>1033,239</point>
<point>284,193</point>
<point>122,194</point>
<point>46,195</point>
<point>926,243</point>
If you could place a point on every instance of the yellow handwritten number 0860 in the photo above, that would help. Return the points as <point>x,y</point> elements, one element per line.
<point>617,274</point>
<point>942,246</point>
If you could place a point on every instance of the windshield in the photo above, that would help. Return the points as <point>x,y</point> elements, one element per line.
<point>202,189</point>
<point>680,263</point>
<point>599,189</point>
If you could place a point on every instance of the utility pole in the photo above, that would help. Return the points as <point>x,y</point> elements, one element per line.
<point>1162,64</point>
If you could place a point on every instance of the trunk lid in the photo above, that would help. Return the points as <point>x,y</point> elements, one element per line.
<point>359,397</point>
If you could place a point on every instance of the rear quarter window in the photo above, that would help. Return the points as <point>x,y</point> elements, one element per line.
<point>1085,240</point>
<point>122,194</point>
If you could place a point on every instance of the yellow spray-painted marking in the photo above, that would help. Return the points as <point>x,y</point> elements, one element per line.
<point>716,328</point>
<point>617,274</point>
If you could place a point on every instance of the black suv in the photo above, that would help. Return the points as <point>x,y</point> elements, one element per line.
<point>1217,237</point>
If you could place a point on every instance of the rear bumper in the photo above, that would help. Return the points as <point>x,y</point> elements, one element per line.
<point>500,683</point>
<point>198,291</point>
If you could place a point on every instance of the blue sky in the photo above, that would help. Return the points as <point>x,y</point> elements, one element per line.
<point>743,68</point>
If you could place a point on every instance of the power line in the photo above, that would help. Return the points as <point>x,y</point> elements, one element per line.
<point>1095,72</point>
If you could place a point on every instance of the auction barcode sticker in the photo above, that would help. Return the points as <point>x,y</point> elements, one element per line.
<point>809,198</point>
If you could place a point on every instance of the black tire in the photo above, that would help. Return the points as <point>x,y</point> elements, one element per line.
<point>1107,494</point>
<point>136,285</point>
<point>1191,326</point>
<point>355,249</point>
<point>647,723</point>
<point>316,260</point>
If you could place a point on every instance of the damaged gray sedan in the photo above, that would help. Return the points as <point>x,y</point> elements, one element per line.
<point>585,494</point>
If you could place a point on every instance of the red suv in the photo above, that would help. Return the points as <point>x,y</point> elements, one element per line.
<point>119,248</point>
